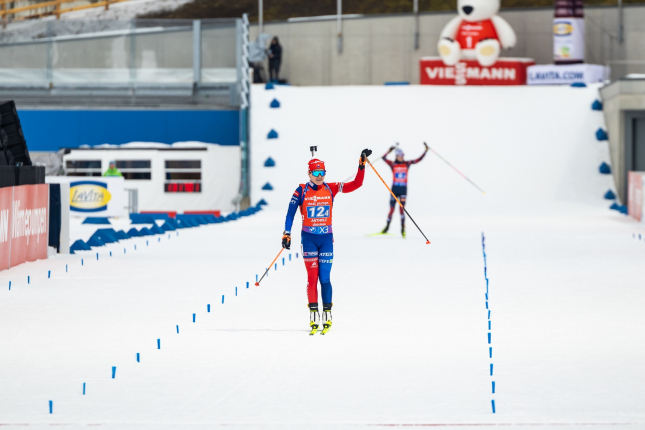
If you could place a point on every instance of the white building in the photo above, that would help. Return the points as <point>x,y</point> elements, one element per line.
<point>184,176</point>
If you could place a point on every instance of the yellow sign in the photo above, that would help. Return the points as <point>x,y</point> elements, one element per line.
<point>89,196</point>
<point>562,29</point>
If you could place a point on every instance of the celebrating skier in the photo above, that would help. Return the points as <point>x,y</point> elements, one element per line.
<point>316,201</point>
<point>400,183</point>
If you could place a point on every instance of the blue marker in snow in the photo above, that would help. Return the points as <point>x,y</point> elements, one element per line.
<point>493,403</point>
<point>9,285</point>
<point>488,324</point>
<point>247,285</point>
<point>28,280</point>
<point>491,369</point>
<point>283,261</point>
<point>51,406</point>
<point>138,358</point>
<point>488,337</point>
<point>81,261</point>
<point>66,268</point>
<point>490,352</point>
<point>208,308</point>
<point>113,372</point>
<point>493,387</point>
<point>488,314</point>
<point>256,278</point>
<point>83,388</point>
<point>486,305</point>
<point>289,256</point>
<point>97,256</point>
<point>235,291</point>
<point>49,274</point>
<point>177,329</point>
<point>158,343</point>
<point>193,317</point>
<point>222,298</point>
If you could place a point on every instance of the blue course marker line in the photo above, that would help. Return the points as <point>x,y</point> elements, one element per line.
<point>51,407</point>
<point>489,338</point>
<point>276,266</point>
<point>493,403</point>
<point>289,256</point>
<point>194,317</point>
<point>296,255</point>
<point>488,324</point>
<point>66,268</point>
<point>247,285</point>
<point>113,372</point>
<point>256,278</point>
<point>493,386</point>
<point>491,369</point>
<point>97,256</point>
<point>110,253</point>
<point>9,285</point>
<point>158,343</point>
<point>28,280</point>
<point>138,358</point>
<point>490,348</point>
<point>283,261</point>
<point>235,291</point>
<point>208,308</point>
<point>222,298</point>
<point>490,352</point>
<point>177,329</point>
<point>488,314</point>
<point>83,388</point>
<point>486,305</point>
<point>49,274</point>
<point>81,261</point>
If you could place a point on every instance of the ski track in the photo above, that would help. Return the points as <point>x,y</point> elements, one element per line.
<point>408,344</point>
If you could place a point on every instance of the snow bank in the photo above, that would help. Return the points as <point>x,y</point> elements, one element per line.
<point>527,147</point>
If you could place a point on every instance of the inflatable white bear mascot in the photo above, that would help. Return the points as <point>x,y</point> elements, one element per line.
<point>476,33</point>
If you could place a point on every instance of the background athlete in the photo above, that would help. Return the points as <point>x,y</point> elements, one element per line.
<point>400,169</point>
<point>316,200</point>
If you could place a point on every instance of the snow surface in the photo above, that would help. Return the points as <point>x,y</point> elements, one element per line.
<point>409,342</point>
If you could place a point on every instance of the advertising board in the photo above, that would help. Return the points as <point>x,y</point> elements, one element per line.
<point>506,71</point>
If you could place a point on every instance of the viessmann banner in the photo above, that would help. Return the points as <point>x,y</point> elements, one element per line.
<point>23,224</point>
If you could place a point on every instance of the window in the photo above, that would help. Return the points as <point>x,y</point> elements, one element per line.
<point>83,168</point>
<point>135,169</point>
<point>183,176</point>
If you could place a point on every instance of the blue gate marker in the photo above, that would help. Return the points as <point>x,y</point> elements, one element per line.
<point>247,285</point>
<point>222,298</point>
<point>158,239</point>
<point>158,343</point>
<point>493,403</point>
<point>177,329</point>
<point>146,243</point>
<point>83,388</point>
<point>490,352</point>
<point>135,247</point>
<point>289,256</point>
<point>486,305</point>
<point>488,314</point>
<point>296,255</point>
<point>491,369</point>
<point>208,308</point>
<point>113,371</point>
<point>49,274</point>
<point>283,261</point>
<point>493,387</point>
<point>235,291</point>
<point>81,261</point>
<point>124,250</point>
<point>9,285</point>
<point>66,268</point>
<point>138,358</point>
<point>193,317</point>
<point>489,338</point>
<point>51,406</point>
<point>488,324</point>
<point>97,256</point>
<point>28,280</point>
<point>256,278</point>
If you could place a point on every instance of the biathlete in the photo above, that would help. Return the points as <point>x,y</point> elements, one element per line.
<point>316,200</point>
<point>400,169</point>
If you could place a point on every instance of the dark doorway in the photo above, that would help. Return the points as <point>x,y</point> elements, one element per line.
<point>634,144</point>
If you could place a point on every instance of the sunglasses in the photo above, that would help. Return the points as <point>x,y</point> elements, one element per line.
<point>318,173</point>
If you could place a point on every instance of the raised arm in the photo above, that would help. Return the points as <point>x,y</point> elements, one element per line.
<point>422,155</point>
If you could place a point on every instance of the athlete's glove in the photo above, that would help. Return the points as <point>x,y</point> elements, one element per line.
<point>286,240</point>
<point>361,162</point>
<point>392,148</point>
<point>426,145</point>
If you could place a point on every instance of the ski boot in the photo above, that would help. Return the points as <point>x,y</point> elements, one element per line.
<point>403,230</point>
<point>387,226</point>
<point>326,318</point>
<point>314,318</point>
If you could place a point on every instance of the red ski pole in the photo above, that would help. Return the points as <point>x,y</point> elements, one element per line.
<point>397,200</point>
<point>257,284</point>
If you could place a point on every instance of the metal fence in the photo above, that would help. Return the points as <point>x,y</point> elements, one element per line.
<point>160,57</point>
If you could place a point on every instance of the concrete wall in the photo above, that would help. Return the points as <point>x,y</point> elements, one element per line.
<point>617,98</point>
<point>381,48</point>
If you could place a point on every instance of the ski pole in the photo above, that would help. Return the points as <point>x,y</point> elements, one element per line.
<point>257,284</point>
<point>462,175</point>
<point>397,200</point>
<point>396,145</point>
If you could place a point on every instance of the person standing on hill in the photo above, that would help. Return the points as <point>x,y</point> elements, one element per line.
<point>275,59</point>
<point>316,200</point>
<point>400,169</point>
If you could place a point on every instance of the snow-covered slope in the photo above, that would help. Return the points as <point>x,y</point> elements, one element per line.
<point>527,147</point>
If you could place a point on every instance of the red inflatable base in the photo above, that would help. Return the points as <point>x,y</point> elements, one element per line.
<point>506,71</point>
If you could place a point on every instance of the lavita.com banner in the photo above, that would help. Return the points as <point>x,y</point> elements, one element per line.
<point>24,217</point>
<point>95,197</point>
